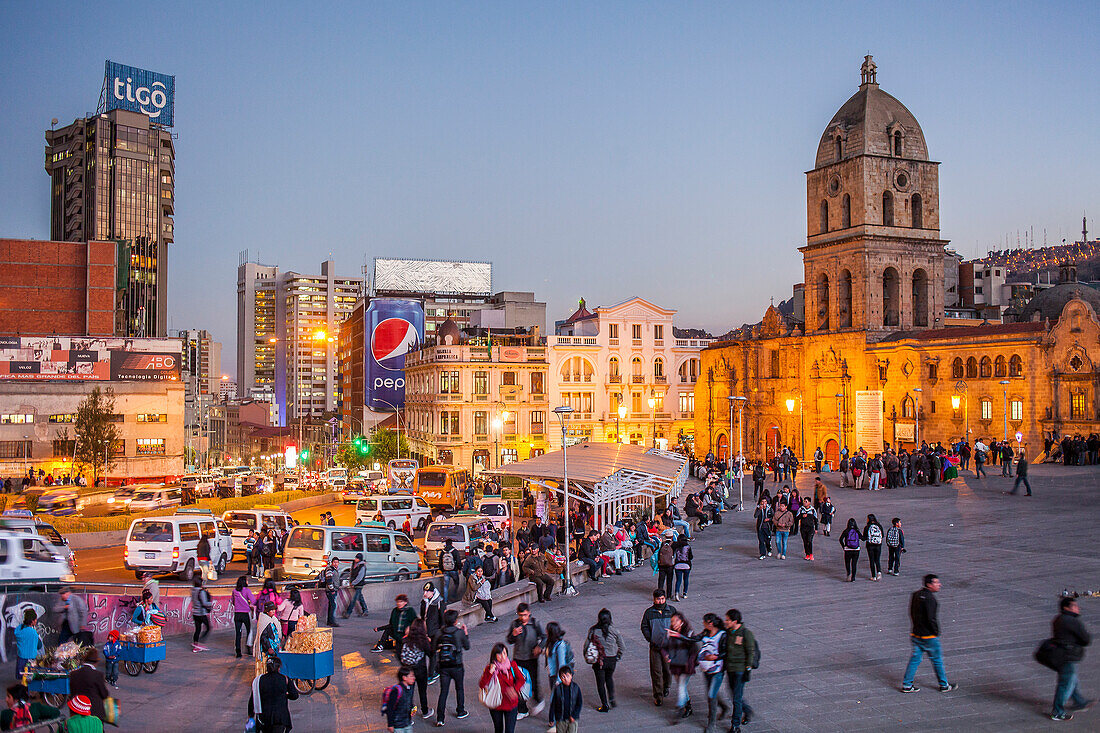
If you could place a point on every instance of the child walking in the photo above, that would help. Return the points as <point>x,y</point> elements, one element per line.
<point>565,703</point>
<point>895,545</point>
<point>827,512</point>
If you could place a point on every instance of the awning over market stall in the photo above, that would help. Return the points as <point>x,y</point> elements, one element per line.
<point>616,479</point>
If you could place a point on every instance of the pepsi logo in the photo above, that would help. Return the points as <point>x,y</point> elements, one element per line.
<point>391,340</point>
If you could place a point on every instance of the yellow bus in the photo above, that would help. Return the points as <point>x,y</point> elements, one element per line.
<point>442,486</point>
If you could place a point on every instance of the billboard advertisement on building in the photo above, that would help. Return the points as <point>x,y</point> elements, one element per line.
<point>432,276</point>
<point>394,327</point>
<point>140,90</point>
<point>869,420</point>
<point>56,358</point>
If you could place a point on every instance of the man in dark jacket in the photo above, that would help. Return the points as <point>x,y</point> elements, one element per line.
<point>431,612</point>
<point>358,580</point>
<point>925,635</point>
<point>528,640</point>
<point>1072,637</point>
<point>271,711</point>
<point>590,553</point>
<point>89,681</point>
<point>401,616</point>
<point>1021,474</point>
<point>447,648</point>
<point>450,564</point>
<point>399,701</point>
<point>655,623</point>
<point>740,646</point>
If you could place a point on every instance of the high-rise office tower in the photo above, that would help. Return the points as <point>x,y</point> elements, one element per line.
<point>113,179</point>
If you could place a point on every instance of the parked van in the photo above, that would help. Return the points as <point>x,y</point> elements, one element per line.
<point>387,552</point>
<point>60,502</point>
<point>336,479</point>
<point>497,510</point>
<point>148,499</point>
<point>29,558</point>
<point>466,533</point>
<point>21,520</point>
<point>243,521</point>
<point>165,545</point>
<point>394,510</point>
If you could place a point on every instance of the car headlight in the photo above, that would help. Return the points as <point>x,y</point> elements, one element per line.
<point>110,500</point>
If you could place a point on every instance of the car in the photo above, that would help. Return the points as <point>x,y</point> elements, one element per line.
<point>394,510</point>
<point>31,558</point>
<point>356,490</point>
<point>388,553</point>
<point>60,502</point>
<point>119,502</point>
<point>164,545</point>
<point>148,499</point>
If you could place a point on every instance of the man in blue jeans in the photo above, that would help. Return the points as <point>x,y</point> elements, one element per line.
<point>450,564</point>
<point>925,635</point>
<point>1072,638</point>
<point>740,657</point>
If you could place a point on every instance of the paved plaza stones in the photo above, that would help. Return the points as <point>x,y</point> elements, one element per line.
<point>833,652</point>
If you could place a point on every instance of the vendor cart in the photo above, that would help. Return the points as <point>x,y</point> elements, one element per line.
<point>309,672</point>
<point>135,657</point>
<point>52,685</point>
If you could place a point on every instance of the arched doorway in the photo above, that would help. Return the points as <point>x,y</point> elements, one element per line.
<point>723,447</point>
<point>771,442</point>
<point>832,453</point>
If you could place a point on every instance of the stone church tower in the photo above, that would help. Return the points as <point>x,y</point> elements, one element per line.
<point>873,256</point>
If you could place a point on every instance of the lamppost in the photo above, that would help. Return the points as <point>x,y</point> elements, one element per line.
<point>1004,387</point>
<point>620,414</point>
<point>653,414</point>
<point>801,420</point>
<point>397,416</point>
<point>740,446</point>
<point>965,401</point>
<point>916,413</point>
<point>561,412</point>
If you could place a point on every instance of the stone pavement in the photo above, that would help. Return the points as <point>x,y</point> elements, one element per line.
<point>833,652</point>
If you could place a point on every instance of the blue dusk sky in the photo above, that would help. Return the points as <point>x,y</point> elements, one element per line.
<point>595,149</point>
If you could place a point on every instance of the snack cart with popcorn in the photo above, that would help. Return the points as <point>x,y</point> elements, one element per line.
<point>143,650</point>
<point>307,657</point>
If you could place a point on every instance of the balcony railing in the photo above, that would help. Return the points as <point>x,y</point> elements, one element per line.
<point>615,378</point>
<point>660,379</point>
<point>638,379</point>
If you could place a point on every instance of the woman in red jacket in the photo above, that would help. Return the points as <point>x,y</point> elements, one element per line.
<point>511,681</point>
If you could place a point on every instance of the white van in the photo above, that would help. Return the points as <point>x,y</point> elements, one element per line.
<point>466,532</point>
<point>22,521</point>
<point>149,499</point>
<point>243,521</point>
<point>165,545</point>
<point>387,552</point>
<point>336,478</point>
<point>201,483</point>
<point>497,510</point>
<point>394,510</point>
<point>29,558</point>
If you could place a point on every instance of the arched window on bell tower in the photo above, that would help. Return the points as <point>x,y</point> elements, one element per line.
<point>844,299</point>
<point>897,143</point>
<point>839,149</point>
<point>920,298</point>
<point>887,209</point>
<point>823,302</point>
<point>846,212</point>
<point>824,216</point>
<point>890,297</point>
<point>917,206</point>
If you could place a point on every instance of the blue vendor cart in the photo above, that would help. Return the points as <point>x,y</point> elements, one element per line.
<point>135,658</point>
<point>309,672</point>
<point>53,686</point>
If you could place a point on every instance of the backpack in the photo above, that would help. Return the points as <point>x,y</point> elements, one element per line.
<point>448,561</point>
<point>387,694</point>
<point>665,556</point>
<point>893,537</point>
<point>754,660</point>
<point>851,539</point>
<point>682,555</point>
<point>447,651</point>
<point>411,655</point>
<point>874,535</point>
<point>593,649</point>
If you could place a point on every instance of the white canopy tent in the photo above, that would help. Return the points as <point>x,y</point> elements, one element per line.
<point>615,479</point>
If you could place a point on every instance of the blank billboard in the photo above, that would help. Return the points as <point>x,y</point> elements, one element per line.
<point>432,276</point>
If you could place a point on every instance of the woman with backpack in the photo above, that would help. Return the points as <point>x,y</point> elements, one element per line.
<point>268,594</point>
<point>414,654</point>
<point>849,540</point>
<point>678,646</point>
<point>603,648</point>
<point>201,604</point>
<point>682,556</point>
<point>558,652</point>
<point>872,535</point>
<point>499,689</point>
<point>763,516</point>
<point>243,601</point>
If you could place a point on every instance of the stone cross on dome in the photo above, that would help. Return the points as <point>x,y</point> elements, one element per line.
<point>868,71</point>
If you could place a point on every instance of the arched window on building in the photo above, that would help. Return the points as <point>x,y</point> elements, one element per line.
<point>957,368</point>
<point>907,407</point>
<point>824,225</point>
<point>659,367</point>
<point>972,368</point>
<point>1000,367</point>
<point>846,212</point>
<point>890,299</point>
<point>897,143</point>
<point>917,206</point>
<point>887,209</point>
<point>844,299</point>
<point>985,370</point>
<point>839,148</point>
<point>920,298</point>
<point>613,369</point>
<point>823,302</point>
<point>1015,366</point>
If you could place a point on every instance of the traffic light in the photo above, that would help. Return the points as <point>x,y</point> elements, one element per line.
<point>364,449</point>
<point>305,454</point>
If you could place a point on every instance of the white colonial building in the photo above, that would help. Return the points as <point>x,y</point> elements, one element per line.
<point>627,355</point>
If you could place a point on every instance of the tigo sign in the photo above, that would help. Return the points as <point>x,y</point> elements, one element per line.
<point>138,90</point>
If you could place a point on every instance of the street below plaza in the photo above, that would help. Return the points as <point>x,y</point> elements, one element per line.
<point>833,653</point>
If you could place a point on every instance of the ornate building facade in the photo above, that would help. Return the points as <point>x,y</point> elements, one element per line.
<point>869,362</point>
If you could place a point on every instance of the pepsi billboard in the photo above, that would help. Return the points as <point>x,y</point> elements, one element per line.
<point>394,327</point>
<point>139,90</point>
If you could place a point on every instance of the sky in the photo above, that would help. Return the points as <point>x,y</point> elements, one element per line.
<point>599,150</point>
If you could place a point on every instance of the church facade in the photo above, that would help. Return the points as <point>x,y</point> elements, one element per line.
<point>870,362</point>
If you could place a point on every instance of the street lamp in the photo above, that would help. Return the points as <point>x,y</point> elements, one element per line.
<point>960,386</point>
<point>397,415</point>
<point>1004,386</point>
<point>620,414</point>
<point>916,413</point>
<point>653,414</point>
<point>740,446</point>
<point>801,420</point>
<point>561,412</point>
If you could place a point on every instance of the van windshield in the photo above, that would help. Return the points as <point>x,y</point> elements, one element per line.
<point>149,531</point>
<point>443,532</point>
<point>306,538</point>
<point>240,520</point>
<point>403,543</point>
<point>493,510</point>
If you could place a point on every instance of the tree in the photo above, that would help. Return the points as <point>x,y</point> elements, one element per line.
<point>96,432</point>
<point>383,446</point>
<point>354,455</point>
